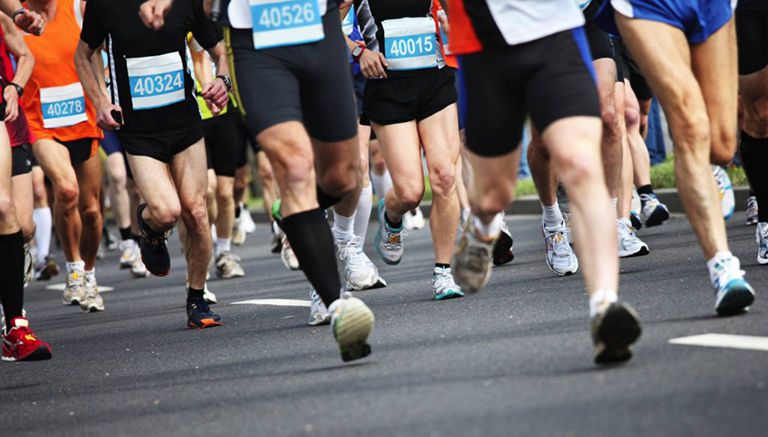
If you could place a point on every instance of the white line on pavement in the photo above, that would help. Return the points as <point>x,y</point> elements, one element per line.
<point>275,302</point>
<point>62,286</point>
<point>724,340</point>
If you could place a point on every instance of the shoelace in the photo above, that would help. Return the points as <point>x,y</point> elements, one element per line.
<point>347,248</point>
<point>392,234</point>
<point>727,271</point>
<point>559,243</point>
<point>443,280</point>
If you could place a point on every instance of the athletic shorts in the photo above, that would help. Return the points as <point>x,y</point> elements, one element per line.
<point>628,69</point>
<point>358,84</point>
<point>599,40</point>
<point>161,147</point>
<point>752,34</point>
<point>457,85</point>
<point>698,19</point>
<point>111,144</point>
<point>550,78</point>
<point>21,159</point>
<point>308,83</point>
<point>80,150</point>
<point>402,99</point>
<point>226,142</point>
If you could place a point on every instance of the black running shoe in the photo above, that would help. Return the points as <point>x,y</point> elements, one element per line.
<point>502,249</point>
<point>154,252</point>
<point>199,314</point>
<point>614,331</point>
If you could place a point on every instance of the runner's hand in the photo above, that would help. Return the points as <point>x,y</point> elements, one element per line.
<point>104,116</point>
<point>153,12</point>
<point>30,22</point>
<point>215,95</point>
<point>444,23</point>
<point>11,97</point>
<point>373,64</point>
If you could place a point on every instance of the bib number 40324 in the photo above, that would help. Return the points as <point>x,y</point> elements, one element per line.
<point>278,23</point>
<point>158,84</point>
<point>156,81</point>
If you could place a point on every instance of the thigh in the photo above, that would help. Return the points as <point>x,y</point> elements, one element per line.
<point>23,197</point>
<point>439,135</point>
<point>54,159</point>
<point>153,180</point>
<point>116,168</point>
<point>89,180</point>
<point>401,147</point>
<point>188,170</point>
<point>605,70</point>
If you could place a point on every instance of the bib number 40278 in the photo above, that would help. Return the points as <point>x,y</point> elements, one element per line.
<point>62,106</point>
<point>278,23</point>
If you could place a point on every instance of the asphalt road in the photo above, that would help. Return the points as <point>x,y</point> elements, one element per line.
<point>515,359</point>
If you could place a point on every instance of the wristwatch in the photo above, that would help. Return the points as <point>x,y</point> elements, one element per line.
<point>358,51</point>
<point>19,89</point>
<point>227,81</point>
<point>20,11</point>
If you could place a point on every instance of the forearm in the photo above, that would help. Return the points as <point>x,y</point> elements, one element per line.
<point>219,55</point>
<point>91,79</point>
<point>24,65</point>
<point>10,6</point>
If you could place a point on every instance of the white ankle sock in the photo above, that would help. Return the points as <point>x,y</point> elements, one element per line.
<point>223,245</point>
<point>363,213</point>
<point>719,257</point>
<point>551,215</point>
<point>598,299</point>
<point>490,230</point>
<point>90,275</point>
<point>43,222</point>
<point>76,265</point>
<point>343,227</point>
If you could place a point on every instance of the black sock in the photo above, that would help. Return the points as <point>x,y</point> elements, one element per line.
<point>442,266</point>
<point>193,293</point>
<point>237,211</point>
<point>126,234</point>
<point>312,242</point>
<point>12,276</point>
<point>392,224</point>
<point>754,158</point>
<point>325,200</point>
<point>751,193</point>
<point>645,189</point>
<point>136,237</point>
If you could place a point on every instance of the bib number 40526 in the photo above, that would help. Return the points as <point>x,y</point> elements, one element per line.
<point>279,23</point>
<point>287,15</point>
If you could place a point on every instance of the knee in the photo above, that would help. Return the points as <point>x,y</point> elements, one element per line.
<point>693,137</point>
<point>67,194</point>
<point>723,146</point>
<point>341,181</point>
<point>165,216</point>
<point>90,214</point>
<point>442,179</point>
<point>195,216</point>
<point>610,120</point>
<point>224,194</point>
<point>7,209</point>
<point>576,169</point>
<point>409,195</point>
<point>632,119</point>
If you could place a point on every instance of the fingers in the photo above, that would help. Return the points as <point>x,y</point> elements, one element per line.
<point>152,15</point>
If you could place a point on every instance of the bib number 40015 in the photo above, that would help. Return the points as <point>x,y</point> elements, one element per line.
<point>414,46</point>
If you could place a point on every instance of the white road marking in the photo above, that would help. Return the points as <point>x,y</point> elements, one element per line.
<point>748,342</point>
<point>275,302</point>
<point>62,286</point>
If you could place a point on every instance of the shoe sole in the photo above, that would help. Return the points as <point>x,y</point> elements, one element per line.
<point>502,250</point>
<point>41,353</point>
<point>618,331</point>
<point>380,283</point>
<point>657,218</point>
<point>735,302</point>
<point>204,323</point>
<point>560,274</point>
<point>325,321</point>
<point>449,295</point>
<point>642,252</point>
<point>92,309</point>
<point>351,330</point>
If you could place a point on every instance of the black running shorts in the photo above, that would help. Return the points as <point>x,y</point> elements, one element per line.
<point>599,40</point>
<point>752,35</point>
<point>308,83</point>
<point>21,162</point>
<point>226,142</point>
<point>551,78</point>
<point>161,147</point>
<point>80,150</point>
<point>402,99</point>
<point>628,69</point>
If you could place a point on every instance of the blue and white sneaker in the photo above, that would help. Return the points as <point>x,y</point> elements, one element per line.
<point>388,240</point>
<point>725,188</point>
<point>653,213</point>
<point>761,235</point>
<point>733,294</point>
<point>318,313</point>
<point>443,284</point>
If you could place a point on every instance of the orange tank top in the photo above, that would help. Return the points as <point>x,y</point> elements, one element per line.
<point>54,101</point>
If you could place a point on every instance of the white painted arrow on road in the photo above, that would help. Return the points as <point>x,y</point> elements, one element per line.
<point>62,286</point>
<point>275,302</point>
<point>747,342</point>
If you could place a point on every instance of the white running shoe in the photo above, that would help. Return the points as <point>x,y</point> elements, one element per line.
<point>289,258</point>
<point>733,294</point>
<point>138,269</point>
<point>359,271</point>
<point>93,301</point>
<point>228,266</point>
<point>653,212</point>
<point>558,253</point>
<point>128,253</point>
<point>761,235</point>
<point>473,260</point>
<point>352,322</point>
<point>414,220</point>
<point>388,241</point>
<point>318,313</point>
<point>246,220</point>
<point>443,285</point>
<point>629,244</point>
<point>74,292</point>
<point>727,199</point>
<point>209,297</point>
<point>238,235</point>
<point>752,211</point>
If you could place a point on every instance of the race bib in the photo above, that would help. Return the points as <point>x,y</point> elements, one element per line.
<point>62,106</point>
<point>410,43</point>
<point>156,81</point>
<point>279,23</point>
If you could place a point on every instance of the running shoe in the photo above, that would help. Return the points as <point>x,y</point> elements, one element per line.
<point>733,294</point>
<point>724,186</point>
<point>46,270</point>
<point>208,295</point>
<point>388,240</point>
<point>559,255</point>
<point>199,314</point>
<point>634,219</point>
<point>761,235</point>
<point>138,269</point>
<point>29,265</point>
<point>443,284</point>
<point>614,331</point>
<point>567,221</point>
<point>463,218</point>
<point>74,290</point>
<point>413,220</point>
<point>154,252</point>
<point>352,322</point>
<point>318,313</point>
<point>653,213</point>
<point>629,243</point>
<point>110,242</point>
<point>359,271</point>
<point>238,235</point>
<point>92,301</point>
<point>246,220</point>
<point>502,248</point>
<point>288,256</point>
<point>228,266</point>
<point>277,238</point>
<point>128,253</point>
<point>752,211</point>
<point>473,260</point>
<point>21,343</point>
<point>2,317</point>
